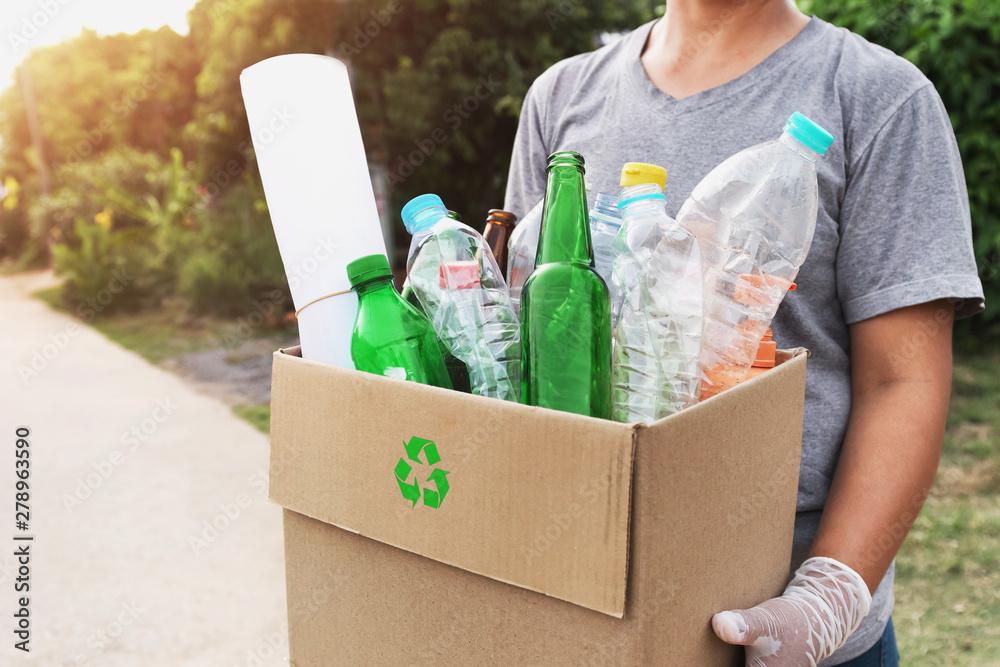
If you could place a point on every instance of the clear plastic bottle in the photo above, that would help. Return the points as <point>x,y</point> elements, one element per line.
<point>454,276</point>
<point>754,216</point>
<point>521,251</point>
<point>605,221</point>
<point>658,278</point>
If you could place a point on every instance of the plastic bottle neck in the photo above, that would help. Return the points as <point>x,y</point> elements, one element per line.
<point>640,199</point>
<point>793,144</point>
<point>425,219</point>
<point>565,234</point>
<point>606,208</point>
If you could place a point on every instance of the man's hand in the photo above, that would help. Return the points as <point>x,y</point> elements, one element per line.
<point>822,606</point>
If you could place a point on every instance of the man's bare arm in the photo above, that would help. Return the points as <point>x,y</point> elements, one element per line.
<point>901,381</point>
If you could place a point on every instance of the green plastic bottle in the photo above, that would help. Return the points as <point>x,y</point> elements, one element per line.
<point>565,307</point>
<point>391,337</point>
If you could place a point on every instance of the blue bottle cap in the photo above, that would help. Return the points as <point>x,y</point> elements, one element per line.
<point>416,206</point>
<point>809,133</point>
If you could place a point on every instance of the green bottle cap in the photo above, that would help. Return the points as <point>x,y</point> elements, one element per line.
<point>368,268</point>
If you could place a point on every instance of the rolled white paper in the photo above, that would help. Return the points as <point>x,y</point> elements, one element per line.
<point>319,193</point>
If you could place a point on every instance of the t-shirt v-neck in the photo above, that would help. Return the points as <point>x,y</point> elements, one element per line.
<point>783,56</point>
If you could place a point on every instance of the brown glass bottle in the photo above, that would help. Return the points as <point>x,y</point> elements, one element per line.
<point>499,226</point>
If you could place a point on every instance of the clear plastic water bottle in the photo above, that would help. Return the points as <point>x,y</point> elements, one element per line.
<point>521,251</point>
<point>658,278</point>
<point>454,276</point>
<point>754,216</point>
<point>605,221</point>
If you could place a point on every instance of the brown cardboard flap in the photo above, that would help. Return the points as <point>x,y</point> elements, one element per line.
<point>714,499</point>
<point>535,498</point>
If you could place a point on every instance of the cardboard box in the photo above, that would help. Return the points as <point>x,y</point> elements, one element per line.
<point>425,526</point>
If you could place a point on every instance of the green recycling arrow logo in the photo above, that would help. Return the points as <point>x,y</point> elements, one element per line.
<point>436,485</point>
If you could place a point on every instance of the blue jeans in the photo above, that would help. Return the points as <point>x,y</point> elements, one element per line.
<point>883,654</point>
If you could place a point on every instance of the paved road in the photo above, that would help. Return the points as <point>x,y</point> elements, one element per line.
<point>154,541</point>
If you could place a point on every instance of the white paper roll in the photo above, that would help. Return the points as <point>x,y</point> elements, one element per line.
<point>319,193</point>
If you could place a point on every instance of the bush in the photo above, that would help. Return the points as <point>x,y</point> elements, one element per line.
<point>84,188</point>
<point>234,267</point>
<point>953,43</point>
<point>132,222</point>
<point>105,270</point>
<point>211,284</point>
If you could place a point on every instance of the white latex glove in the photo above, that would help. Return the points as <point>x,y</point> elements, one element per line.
<point>825,602</point>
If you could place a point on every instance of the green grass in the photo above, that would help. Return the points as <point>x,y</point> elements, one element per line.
<point>259,416</point>
<point>156,334</point>
<point>165,332</point>
<point>948,584</point>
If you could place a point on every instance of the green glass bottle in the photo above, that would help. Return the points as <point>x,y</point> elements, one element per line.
<point>391,337</point>
<point>565,306</point>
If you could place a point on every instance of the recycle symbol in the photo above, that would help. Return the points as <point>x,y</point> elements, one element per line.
<point>433,497</point>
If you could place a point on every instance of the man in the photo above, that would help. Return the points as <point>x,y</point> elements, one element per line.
<point>891,266</point>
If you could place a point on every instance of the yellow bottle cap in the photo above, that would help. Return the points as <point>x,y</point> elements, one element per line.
<point>640,173</point>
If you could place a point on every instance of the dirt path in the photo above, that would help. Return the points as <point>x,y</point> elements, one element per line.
<point>154,541</point>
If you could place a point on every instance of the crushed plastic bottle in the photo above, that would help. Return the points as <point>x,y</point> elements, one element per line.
<point>605,221</point>
<point>521,251</point>
<point>658,312</point>
<point>754,216</point>
<point>454,276</point>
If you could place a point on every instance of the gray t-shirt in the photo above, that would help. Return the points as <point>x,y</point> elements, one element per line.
<point>893,227</point>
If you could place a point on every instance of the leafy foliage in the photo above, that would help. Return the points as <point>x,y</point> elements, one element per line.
<point>439,85</point>
<point>131,218</point>
<point>955,43</point>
